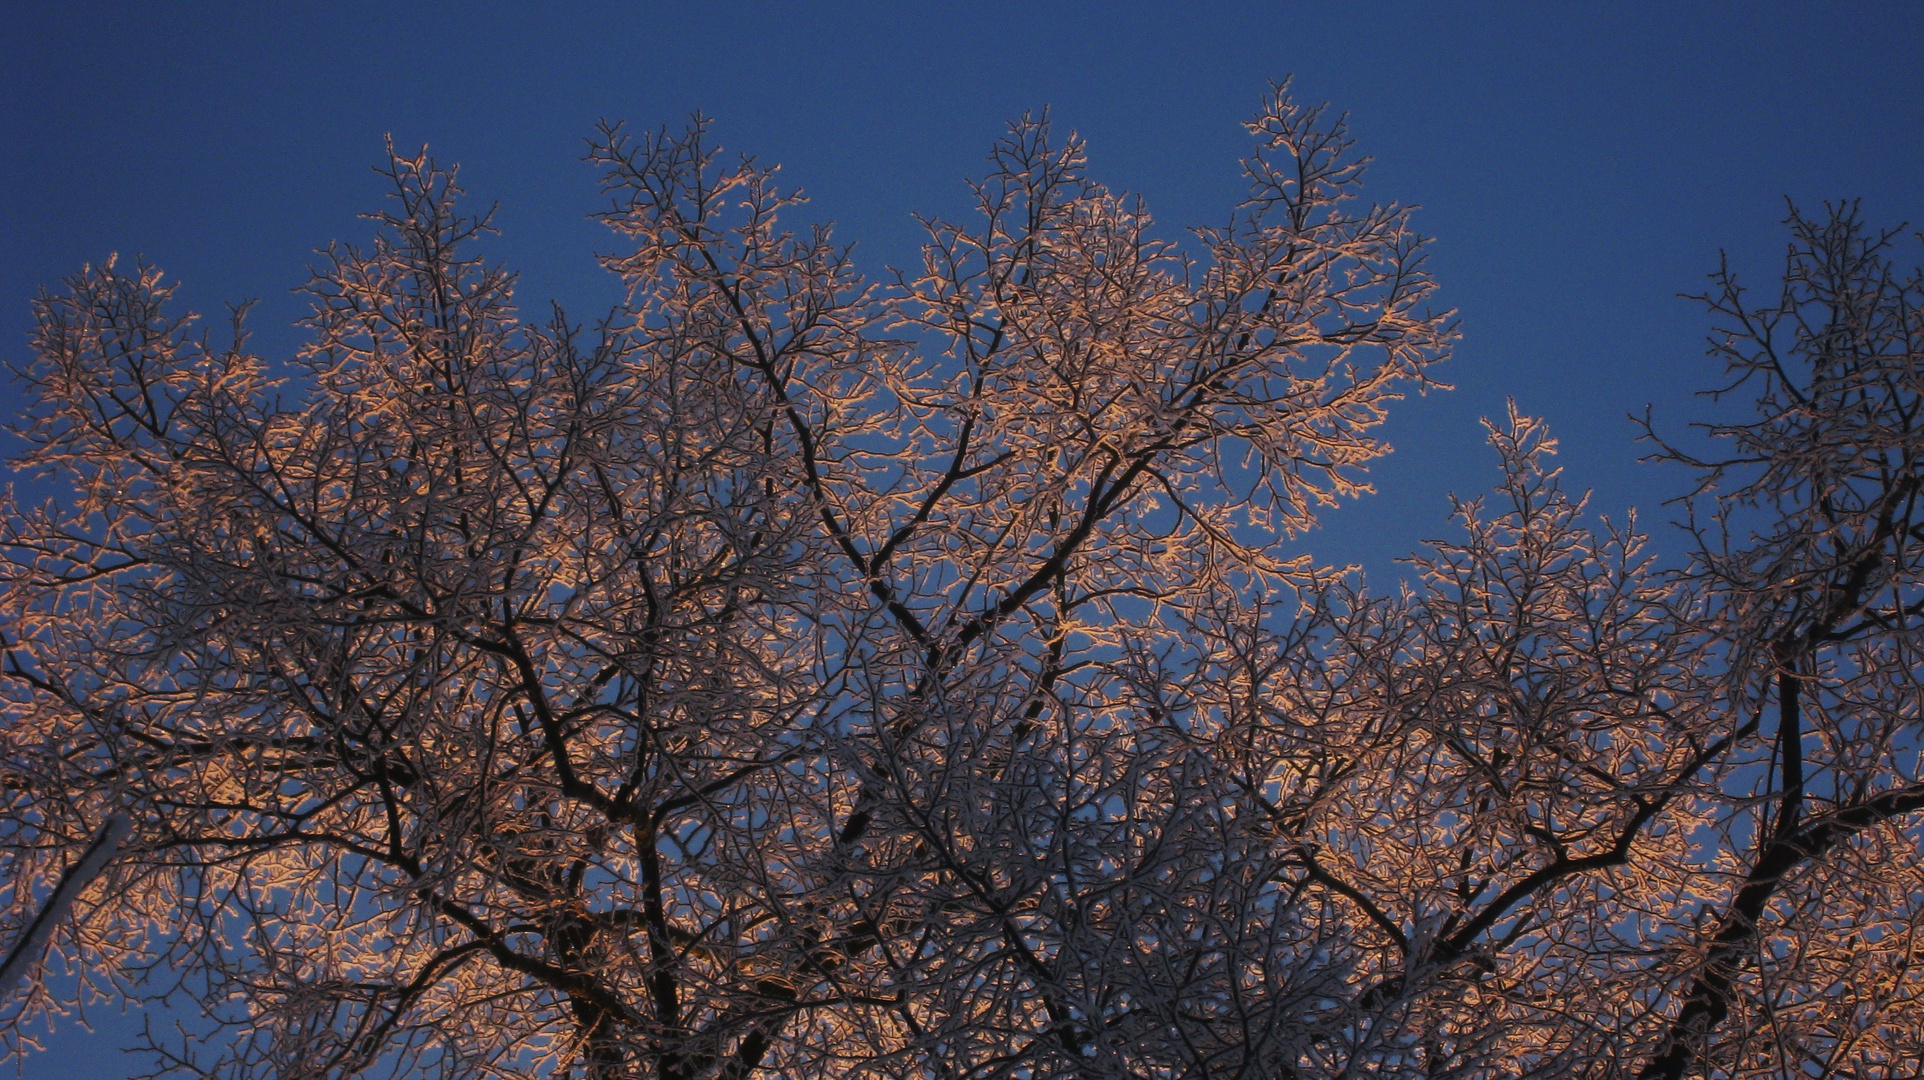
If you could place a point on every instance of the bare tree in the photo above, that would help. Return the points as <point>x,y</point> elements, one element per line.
<point>494,697</point>
<point>1577,815</point>
<point>1810,563</point>
<point>794,675</point>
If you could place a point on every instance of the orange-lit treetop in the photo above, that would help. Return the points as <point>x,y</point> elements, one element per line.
<point>796,675</point>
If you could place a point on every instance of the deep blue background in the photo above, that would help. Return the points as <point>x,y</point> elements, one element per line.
<point>1579,169</point>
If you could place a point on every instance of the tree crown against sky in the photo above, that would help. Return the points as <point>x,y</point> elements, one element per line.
<point>794,674</point>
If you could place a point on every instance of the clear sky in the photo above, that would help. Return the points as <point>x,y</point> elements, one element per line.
<point>1579,168</point>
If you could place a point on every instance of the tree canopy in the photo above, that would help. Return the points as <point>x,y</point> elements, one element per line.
<point>792,674</point>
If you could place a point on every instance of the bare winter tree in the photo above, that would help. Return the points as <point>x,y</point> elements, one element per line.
<point>1577,816</point>
<point>798,676</point>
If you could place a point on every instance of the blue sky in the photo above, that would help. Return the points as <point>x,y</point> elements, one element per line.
<point>1579,168</point>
